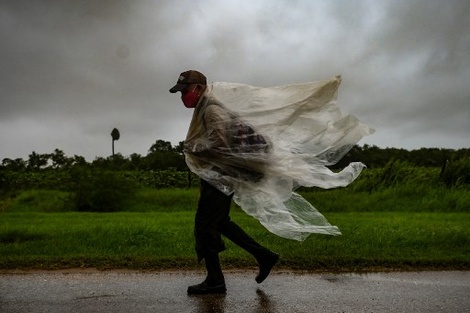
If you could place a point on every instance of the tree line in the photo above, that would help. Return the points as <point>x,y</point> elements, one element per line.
<point>162,155</point>
<point>104,184</point>
<point>375,157</point>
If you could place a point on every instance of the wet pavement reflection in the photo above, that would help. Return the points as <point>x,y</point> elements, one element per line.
<point>124,291</point>
<point>210,303</point>
<point>217,304</point>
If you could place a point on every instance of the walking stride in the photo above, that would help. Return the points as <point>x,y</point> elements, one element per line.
<point>256,146</point>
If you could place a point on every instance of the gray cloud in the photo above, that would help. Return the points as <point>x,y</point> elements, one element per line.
<point>71,71</point>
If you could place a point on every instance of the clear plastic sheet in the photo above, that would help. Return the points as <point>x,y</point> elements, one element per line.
<point>263,143</point>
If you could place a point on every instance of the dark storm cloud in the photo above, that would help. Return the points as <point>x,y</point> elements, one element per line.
<point>75,64</point>
<point>71,71</point>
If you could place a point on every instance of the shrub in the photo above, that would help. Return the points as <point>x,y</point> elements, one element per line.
<point>456,173</point>
<point>395,174</point>
<point>170,178</point>
<point>37,200</point>
<point>99,190</point>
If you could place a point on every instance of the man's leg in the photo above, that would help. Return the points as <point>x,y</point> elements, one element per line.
<point>266,258</point>
<point>213,208</point>
<point>214,282</point>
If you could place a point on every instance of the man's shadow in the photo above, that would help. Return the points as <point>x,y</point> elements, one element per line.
<point>210,303</point>
<point>216,303</point>
<point>265,304</point>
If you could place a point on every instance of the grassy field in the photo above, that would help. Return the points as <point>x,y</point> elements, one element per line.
<point>381,231</point>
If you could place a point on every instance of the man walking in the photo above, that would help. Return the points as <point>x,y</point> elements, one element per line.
<point>211,137</point>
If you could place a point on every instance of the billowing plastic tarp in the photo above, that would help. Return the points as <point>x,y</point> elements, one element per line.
<point>263,143</point>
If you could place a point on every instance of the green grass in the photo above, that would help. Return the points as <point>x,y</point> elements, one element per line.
<point>401,227</point>
<point>35,201</point>
<point>402,198</point>
<point>164,240</point>
<point>163,200</point>
<point>146,200</point>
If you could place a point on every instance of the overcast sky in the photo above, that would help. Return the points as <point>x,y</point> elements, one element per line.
<point>71,71</point>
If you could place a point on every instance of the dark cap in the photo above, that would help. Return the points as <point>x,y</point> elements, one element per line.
<point>187,78</point>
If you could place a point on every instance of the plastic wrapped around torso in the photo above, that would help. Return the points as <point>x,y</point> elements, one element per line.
<point>263,143</point>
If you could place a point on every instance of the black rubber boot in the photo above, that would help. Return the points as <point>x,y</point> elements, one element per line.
<point>266,259</point>
<point>266,264</point>
<point>205,288</point>
<point>214,282</point>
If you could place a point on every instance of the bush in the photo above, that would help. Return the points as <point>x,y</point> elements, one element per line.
<point>37,200</point>
<point>99,190</point>
<point>456,173</point>
<point>170,178</point>
<point>395,174</point>
<point>47,179</point>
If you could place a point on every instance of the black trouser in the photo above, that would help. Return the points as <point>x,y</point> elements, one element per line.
<point>212,220</point>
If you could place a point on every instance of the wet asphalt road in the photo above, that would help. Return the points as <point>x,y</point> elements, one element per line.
<point>117,291</point>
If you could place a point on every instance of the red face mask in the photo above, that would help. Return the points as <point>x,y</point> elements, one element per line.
<point>190,98</point>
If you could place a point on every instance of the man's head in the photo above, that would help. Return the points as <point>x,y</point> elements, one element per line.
<point>188,78</point>
<point>192,85</point>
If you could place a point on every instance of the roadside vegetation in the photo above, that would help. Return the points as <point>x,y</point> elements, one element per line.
<point>402,213</point>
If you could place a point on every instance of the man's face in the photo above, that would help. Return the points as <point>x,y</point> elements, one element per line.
<point>190,95</point>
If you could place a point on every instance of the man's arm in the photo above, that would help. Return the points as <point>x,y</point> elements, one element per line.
<point>218,122</point>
